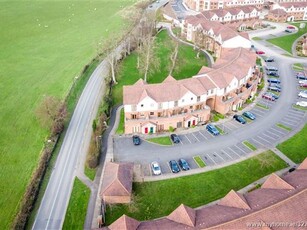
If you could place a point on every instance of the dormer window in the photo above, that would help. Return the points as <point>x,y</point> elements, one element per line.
<point>142,105</point>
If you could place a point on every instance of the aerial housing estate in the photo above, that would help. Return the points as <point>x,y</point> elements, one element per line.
<point>282,11</point>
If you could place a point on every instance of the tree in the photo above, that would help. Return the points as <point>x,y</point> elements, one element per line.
<point>173,57</point>
<point>52,114</point>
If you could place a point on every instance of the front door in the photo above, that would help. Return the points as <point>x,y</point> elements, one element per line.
<point>146,130</point>
<point>189,123</point>
<point>151,129</point>
<point>193,122</point>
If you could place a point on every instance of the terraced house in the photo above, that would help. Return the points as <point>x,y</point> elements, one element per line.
<point>203,5</point>
<point>288,11</point>
<point>151,108</point>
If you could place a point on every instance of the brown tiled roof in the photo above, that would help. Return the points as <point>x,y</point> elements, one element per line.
<point>124,223</point>
<point>275,182</point>
<point>184,215</point>
<point>234,199</point>
<point>303,165</point>
<point>117,179</point>
<point>294,4</point>
<point>279,12</point>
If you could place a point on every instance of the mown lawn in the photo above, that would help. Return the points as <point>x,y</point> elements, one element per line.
<point>77,207</point>
<point>44,46</point>
<point>187,66</point>
<point>161,140</point>
<point>286,41</point>
<point>295,147</point>
<point>121,125</point>
<point>160,198</point>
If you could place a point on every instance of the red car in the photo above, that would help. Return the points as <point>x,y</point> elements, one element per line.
<point>268,97</point>
<point>303,85</point>
<point>260,52</point>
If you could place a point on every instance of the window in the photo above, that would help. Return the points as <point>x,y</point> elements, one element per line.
<point>191,98</point>
<point>133,116</point>
<point>152,113</point>
<point>198,98</point>
<point>182,100</point>
<point>142,105</point>
<point>176,103</point>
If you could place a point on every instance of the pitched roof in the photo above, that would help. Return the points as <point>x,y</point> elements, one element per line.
<point>169,78</point>
<point>234,199</point>
<point>184,215</point>
<point>124,223</point>
<point>303,165</point>
<point>275,182</point>
<point>117,179</point>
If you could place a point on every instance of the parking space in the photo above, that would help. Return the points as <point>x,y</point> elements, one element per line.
<point>259,112</point>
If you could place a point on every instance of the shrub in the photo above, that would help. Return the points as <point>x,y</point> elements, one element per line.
<point>171,129</point>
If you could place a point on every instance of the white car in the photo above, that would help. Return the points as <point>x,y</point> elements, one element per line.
<point>302,103</point>
<point>303,94</point>
<point>155,168</point>
<point>302,82</point>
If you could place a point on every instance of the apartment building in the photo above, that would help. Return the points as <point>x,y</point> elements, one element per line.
<point>288,11</point>
<point>151,108</point>
<point>203,5</point>
<point>213,35</point>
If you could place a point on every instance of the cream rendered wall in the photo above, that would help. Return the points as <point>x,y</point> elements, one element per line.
<point>148,104</point>
<point>186,99</point>
<point>233,85</point>
<point>237,41</point>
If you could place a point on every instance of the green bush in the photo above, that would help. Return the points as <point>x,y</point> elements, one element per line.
<point>171,129</point>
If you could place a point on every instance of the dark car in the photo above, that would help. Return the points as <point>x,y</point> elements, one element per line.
<point>239,119</point>
<point>275,85</point>
<point>184,164</point>
<point>212,129</point>
<point>273,95</point>
<point>136,140</point>
<point>273,88</point>
<point>271,68</point>
<point>274,80</point>
<point>272,73</point>
<point>301,76</point>
<point>269,59</point>
<point>175,138</point>
<point>174,166</point>
<point>291,170</point>
<point>249,115</point>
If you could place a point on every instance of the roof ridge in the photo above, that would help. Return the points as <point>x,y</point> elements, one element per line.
<point>276,182</point>
<point>229,200</point>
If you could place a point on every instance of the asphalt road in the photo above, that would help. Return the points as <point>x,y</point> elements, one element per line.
<point>263,133</point>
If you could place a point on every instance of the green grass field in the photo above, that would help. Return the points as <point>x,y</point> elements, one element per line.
<point>295,147</point>
<point>286,42</point>
<point>161,140</point>
<point>160,198</point>
<point>187,66</point>
<point>44,46</point>
<point>77,207</point>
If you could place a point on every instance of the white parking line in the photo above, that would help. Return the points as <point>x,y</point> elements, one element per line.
<point>290,117</point>
<point>257,110</point>
<point>289,121</point>
<point>226,154</point>
<point>268,136</point>
<point>286,123</point>
<point>241,149</point>
<point>298,112</point>
<point>278,131</point>
<point>230,123</point>
<point>211,159</point>
<point>225,125</point>
<point>195,137</point>
<point>274,134</point>
<point>203,135</point>
<point>257,142</point>
<point>257,114</point>
<point>215,154</point>
<point>188,139</point>
<point>264,139</point>
<point>234,152</point>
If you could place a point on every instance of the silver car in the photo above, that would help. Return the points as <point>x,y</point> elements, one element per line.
<point>155,167</point>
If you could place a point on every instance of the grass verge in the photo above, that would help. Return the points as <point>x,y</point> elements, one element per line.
<point>90,173</point>
<point>295,147</point>
<point>199,161</point>
<point>222,132</point>
<point>297,67</point>
<point>299,107</point>
<point>283,127</point>
<point>249,145</point>
<point>262,106</point>
<point>160,140</point>
<point>121,125</point>
<point>216,183</point>
<point>77,207</point>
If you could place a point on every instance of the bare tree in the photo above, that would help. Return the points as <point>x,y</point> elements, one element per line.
<point>199,41</point>
<point>173,57</point>
<point>52,114</point>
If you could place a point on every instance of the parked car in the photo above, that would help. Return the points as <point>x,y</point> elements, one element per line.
<point>271,68</point>
<point>302,103</point>
<point>268,97</point>
<point>273,95</point>
<point>269,59</point>
<point>272,73</point>
<point>175,138</point>
<point>155,167</point>
<point>301,76</point>
<point>136,140</point>
<point>275,85</point>
<point>303,94</point>
<point>174,166</point>
<point>291,170</point>
<point>249,115</point>
<point>239,119</point>
<point>273,88</point>
<point>304,85</point>
<point>302,82</point>
<point>260,52</point>
<point>289,30</point>
<point>212,129</point>
<point>274,80</point>
<point>184,164</point>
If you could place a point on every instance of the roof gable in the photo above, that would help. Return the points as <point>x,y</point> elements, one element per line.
<point>234,199</point>
<point>184,215</point>
<point>275,182</point>
<point>124,223</point>
<point>303,165</point>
